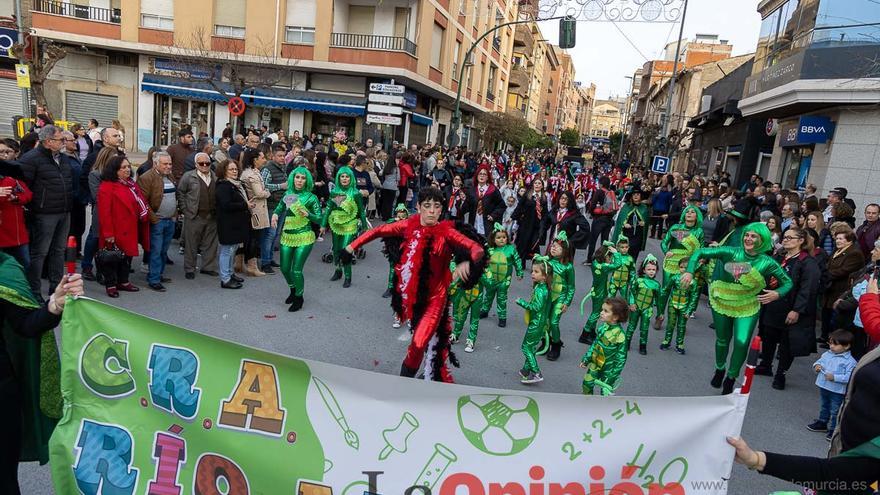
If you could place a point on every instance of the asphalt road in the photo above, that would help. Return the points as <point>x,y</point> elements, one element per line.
<point>352,327</point>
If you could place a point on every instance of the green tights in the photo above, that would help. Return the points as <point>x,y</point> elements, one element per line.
<point>740,329</point>
<point>339,243</point>
<point>293,259</point>
<point>553,322</point>
<point>491,291</point>
<point>593,320</point>
<point>677,323</point>
<point>466,304</point>
<point>642,320</point>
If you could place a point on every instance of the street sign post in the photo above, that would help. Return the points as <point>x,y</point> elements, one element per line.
<point>23,75</point>
<point>660,164</point>
<point>396,89</point>
<point>389,109</point>
<point>373,118</point>
<point>387,99</point>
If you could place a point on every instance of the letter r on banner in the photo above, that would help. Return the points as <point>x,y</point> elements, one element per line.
<point>103,463</point>
<point>173,373</point>
<point>256,397</point>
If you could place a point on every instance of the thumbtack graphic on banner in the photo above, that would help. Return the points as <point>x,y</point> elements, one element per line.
<point>396,438</point>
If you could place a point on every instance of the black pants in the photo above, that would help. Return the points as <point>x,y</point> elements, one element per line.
<point>773,338</point>
<point>401,194</point>
<point>601,227</point>
<point>10,432</point>
<point>827,322</point>
<point>115,274</point>
<point>386,203</point>
<point>78,224</point>
<point>656,225</point>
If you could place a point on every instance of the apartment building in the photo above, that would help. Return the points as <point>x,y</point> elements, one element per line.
<point>304,65</point>
<point>607,118</point>
<point>815,84</point>
<point>586,105</point>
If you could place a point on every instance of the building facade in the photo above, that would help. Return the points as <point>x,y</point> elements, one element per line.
<point>300,65</point>
<point>816,84</point>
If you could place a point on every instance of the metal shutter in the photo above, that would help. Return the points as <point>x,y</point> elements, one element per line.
<point>10,94</point>
<point>80,107</point>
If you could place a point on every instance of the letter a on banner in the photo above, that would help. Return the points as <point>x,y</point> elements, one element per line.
<point>255,402</point>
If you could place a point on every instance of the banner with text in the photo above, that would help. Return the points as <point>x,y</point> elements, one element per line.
<point>151,408</point>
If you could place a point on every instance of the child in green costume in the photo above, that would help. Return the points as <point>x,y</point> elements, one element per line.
<point>644,296</point>
<point>606,261</point>
<point>297,237</point>
<point>606,356</point>
<point>503,261</point>
<point>621,278</point>
<point>537,310</point>
<point>736,296</point>
<point>345,215</point>
<point>682,240</point>
<point>465,302</point>
<point>682,302</point>
<point>400,213</point>
<point>561,293</point>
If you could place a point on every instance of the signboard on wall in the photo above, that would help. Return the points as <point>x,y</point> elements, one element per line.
<point>807,130</point>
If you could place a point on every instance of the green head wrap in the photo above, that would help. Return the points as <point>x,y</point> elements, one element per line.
<point>310,183</point>
<point>352,185</point>
<point>765,245</point>
<point>699,222</point>
<point>562,236</point>
<point>498,228</point>
<point>650,258</point>
<point>401,207</point>
<point>544,260</point>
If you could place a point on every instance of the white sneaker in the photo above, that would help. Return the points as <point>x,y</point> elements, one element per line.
<point>469,346</point>
<point>396,323</point>
<point>453,339</point>
<point>180,250</point>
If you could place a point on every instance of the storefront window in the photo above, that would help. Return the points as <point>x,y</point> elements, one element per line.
<point>326,125</point>
<point>796,168</point>
<point>848,22</point>
<point>173,113</point>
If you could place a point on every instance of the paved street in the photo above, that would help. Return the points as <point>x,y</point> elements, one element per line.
<point>352,327</point>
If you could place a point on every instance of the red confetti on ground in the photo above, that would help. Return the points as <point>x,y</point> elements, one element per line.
<point>143,402</point>
<point>175,428</point>
<point>291,437</point>
<point>269,317</point>
<point>311,317</point>
<point>207,423</point>
<point>375,362</point>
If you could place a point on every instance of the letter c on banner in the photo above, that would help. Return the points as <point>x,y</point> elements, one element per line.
<point>212,467</point>
<point>104,367</point>
<point>104,459</point>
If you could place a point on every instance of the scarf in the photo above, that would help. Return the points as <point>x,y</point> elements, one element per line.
<point>138,198</point>
<point>237,184</point>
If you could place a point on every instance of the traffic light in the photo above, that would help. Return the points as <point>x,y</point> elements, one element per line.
<point>567,31</point>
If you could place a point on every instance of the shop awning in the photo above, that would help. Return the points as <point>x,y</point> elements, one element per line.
<point>420,119</point>
<point>262,97</point>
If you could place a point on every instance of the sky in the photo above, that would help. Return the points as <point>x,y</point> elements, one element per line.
<point>602,55</point>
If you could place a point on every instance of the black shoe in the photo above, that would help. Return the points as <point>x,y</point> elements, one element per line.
<point>679,350</point>
<point>236,278</point>
<point>586,338</point>
<point>336,276</point>
<point>165,280</point>
<point>387,293</point>
<point>274,265</point>
<point>727,387</point>
<point>502,322</point>
<point>818,426</point>
<point>764,370</point>
<point>555,348</point>
<point>712,325</point>
<point>717,378</point>
<point>296,304</point>
<point>779,381</point>
<point>232,284</point>
<point>190,275</point>
<point>99,278</point>
<point>88,274</point>
<point>484,314</point>
<point>643,349</point>
<point>346,283</point>
<point>407,371</point>
<point>210,273</point>
<point>291,297</point>
<point>158,287</point>
<point>267,269</point>
<point>168,261</point>
<point>664,347</point>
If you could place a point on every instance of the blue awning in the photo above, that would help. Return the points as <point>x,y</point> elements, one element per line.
<point>420,119</point>
<point>263,97</point>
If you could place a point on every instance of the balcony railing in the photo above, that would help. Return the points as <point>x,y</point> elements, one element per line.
<point>373,42</point>
<point>113,16</point>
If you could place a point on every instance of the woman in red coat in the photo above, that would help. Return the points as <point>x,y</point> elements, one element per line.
<point>123,222</point>
<point>14,194</point>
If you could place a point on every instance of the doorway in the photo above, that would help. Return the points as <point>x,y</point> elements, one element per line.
<point>174,113</point>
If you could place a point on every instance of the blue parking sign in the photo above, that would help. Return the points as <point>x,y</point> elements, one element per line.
<point>660,164</point>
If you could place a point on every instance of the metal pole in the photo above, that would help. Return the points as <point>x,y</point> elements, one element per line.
<point>625,120</point>
<point>665,132</point>
<point>25,100</point>
<point>456,114</point>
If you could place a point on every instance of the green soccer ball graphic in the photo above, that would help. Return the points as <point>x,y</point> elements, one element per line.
<point>498,425</point>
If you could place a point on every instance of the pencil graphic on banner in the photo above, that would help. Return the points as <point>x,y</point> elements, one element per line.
<point>329,399</point>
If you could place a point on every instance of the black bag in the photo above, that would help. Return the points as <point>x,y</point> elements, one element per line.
<point>109,255</point>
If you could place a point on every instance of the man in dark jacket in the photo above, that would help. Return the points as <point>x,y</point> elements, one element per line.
<point>109,137</point>
<point>203,145</point>
<point>275,181</point>
<point>48,174</point>
<point>179,151</point>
